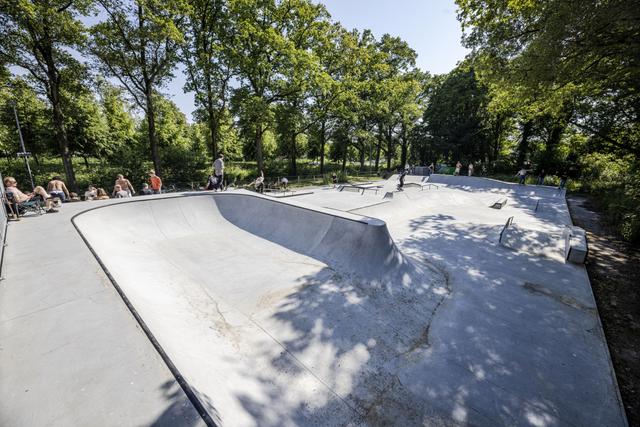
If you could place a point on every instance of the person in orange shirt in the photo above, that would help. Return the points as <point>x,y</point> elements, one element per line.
<point>155,181</point>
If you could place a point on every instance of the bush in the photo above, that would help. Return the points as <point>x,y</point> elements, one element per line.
<point>614,184</point>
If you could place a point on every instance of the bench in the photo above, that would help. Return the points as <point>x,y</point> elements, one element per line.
<point>422,185</point>
<point>359,188</point>
<point>576,248</point>
<point>499,204</point>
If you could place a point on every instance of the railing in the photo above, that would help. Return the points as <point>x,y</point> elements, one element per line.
<point>507,225</point>
<point>3,223</point>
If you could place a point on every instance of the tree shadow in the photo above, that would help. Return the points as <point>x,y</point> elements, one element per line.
<point>475,344</point>
<point>180,411</point>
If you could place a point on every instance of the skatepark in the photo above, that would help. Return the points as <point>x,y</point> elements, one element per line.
<point>349,305</point>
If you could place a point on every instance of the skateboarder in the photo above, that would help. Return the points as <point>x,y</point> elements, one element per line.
<point>401,179</point>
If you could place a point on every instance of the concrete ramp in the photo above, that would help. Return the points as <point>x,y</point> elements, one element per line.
<point>359,244</point>
<point>275,313</point>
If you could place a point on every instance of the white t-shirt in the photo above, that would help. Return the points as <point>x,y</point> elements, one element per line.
<point>218,166</point>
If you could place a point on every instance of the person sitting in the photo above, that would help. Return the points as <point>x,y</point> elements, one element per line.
<point>101,194</point>
<point>258,183</point>
<point>57,188</point>
<point>91,193</point>
<point>284,183</point>
<point>39,193</point>
<point>119,193</point>
<point>145,190</point>
<point>212,182</point>
<point>73,197</point>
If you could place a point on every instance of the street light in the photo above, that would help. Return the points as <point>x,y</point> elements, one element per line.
<point>24,153</point>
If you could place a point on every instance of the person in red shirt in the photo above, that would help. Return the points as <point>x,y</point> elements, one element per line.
<point>155,182</point>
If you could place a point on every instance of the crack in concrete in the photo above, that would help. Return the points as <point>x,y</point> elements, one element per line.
<point>537,289</point>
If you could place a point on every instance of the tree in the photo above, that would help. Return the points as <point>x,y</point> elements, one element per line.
<point>564,52</point>
<point>34,115</point>
<point>36,36</point>
<point>454,118</point>
<point>263,49</point>
<point>139,46</point>
<point>207,32</point>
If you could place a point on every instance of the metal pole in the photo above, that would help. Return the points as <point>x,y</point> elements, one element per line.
<point>23,153</point>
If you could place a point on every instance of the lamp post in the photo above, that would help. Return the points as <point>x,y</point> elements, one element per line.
<point>23,153</point>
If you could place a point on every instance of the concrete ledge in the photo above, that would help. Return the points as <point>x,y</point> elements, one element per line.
<point>576,248</point>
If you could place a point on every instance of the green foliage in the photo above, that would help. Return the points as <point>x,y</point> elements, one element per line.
<point>615,183</point>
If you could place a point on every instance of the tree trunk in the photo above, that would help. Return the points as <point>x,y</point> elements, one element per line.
<point>153,136</point>
<point>63,142</point>
<point>404,147</point>
<point>294,166</point>
<point>523,146</point>
<point>344,161</point>
<point>258,143</point>
<point>322,143</point>
<point>213,131</point>
<point>552,144</point>
<point>86,161</point>
<point>389,147</point>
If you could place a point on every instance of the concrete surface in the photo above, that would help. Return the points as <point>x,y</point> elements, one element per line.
<point>405,311</point>
<point>71,354</point>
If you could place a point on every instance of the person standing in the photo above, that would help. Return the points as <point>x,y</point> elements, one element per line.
<point>563,180</point>
<point>522,176</point>
<point>155,181</point>
<point>125,185</point>
<point>541,177</point>
<point>458,167</point>
<point>401,179</point>
<point>470,169</point>
<point>432,169</point>
<point>218,170</point>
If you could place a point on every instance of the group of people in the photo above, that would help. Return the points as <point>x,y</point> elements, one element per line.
<point>522,177</point>
<point>58,193</point>
<point>122,188</point>
<point>459,168</point>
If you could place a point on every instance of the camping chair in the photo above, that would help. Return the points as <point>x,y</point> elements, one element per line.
<point>35,205</point>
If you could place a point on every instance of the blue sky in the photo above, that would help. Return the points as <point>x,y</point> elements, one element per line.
<point>429,26</point>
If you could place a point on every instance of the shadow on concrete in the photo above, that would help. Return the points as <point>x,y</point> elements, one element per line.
<point>180,411</point>
<point>502,352</point>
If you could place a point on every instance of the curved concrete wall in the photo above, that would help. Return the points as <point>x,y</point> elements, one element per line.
<point>349,242</point>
